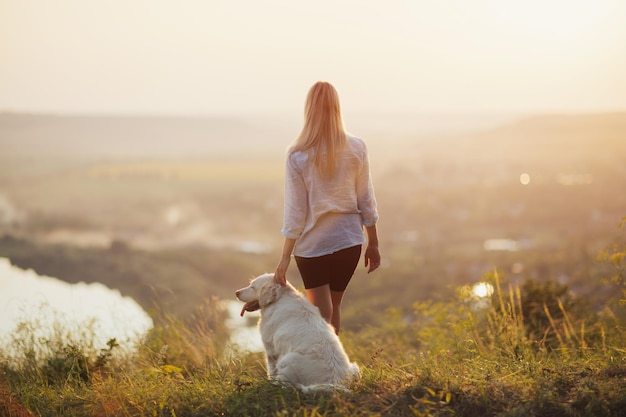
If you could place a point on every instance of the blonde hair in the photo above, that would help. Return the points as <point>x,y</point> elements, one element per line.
<point>323,132</point>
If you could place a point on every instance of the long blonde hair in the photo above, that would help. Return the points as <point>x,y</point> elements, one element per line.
<point>323,130</point>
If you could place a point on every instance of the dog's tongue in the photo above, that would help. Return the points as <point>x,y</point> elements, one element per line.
<point>250,306</point>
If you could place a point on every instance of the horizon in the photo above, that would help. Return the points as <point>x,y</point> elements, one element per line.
<point>368,125</point>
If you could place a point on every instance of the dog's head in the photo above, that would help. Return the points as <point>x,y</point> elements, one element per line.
<point>261,292</point>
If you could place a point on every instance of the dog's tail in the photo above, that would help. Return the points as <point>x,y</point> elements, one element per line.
<point>353,374</point>
<point>321,388</point>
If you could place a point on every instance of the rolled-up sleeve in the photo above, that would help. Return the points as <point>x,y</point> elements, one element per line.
<point>366,200</point>
<point>296,198</point>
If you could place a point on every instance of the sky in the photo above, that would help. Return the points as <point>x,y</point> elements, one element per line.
<point>222,57</point>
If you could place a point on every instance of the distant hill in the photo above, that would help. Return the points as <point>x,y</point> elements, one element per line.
<point>544,139</point>
<point>563,138</point>
<point>102,137</point>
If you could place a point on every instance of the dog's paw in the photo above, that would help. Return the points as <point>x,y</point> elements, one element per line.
<point>250,306</point>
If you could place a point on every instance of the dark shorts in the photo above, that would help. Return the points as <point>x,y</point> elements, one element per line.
<point>335,269</point>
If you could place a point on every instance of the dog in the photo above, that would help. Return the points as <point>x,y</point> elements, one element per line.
<point>301,348</point>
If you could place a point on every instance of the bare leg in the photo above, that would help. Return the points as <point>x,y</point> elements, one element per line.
<point>320,297</point>
<point>336,297</point>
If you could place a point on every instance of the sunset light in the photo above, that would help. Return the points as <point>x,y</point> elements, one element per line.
<point>232,57</point>
<point>572,20</point>
<point>429,192</point>
<point>482,289</point>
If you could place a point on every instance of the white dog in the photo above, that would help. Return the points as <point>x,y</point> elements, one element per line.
<point>300,346</point>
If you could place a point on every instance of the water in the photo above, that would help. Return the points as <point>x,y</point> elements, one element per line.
<point>48,302</point>
<point>245,335</point>
<point>93,309</point>
<point>508,245</point>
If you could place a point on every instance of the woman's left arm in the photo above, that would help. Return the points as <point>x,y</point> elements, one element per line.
<point>280,275</point>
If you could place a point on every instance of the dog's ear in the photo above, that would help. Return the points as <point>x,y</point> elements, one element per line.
<point>269,293</point>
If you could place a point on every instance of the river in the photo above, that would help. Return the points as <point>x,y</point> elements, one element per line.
<point>89,312</point>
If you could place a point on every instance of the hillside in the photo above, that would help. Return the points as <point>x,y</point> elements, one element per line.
<point>567,139</point>
<point>74,188</point>
<point>143,137</point>
<point>114,137</point>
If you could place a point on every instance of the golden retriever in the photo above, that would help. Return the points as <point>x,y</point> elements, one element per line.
<point>301,348</point>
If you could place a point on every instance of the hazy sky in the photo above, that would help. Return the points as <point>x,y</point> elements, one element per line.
<point>229,56</point>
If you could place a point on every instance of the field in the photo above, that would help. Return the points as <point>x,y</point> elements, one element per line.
<point>179,212</point>
<point>452,359</point>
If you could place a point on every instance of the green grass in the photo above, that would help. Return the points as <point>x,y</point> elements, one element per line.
<point>445,359</point>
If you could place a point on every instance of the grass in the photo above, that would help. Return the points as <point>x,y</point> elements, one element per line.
<point>444,359</point>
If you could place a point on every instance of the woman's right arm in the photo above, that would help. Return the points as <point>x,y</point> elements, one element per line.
<point>366,201</point>
<point>372,254</point>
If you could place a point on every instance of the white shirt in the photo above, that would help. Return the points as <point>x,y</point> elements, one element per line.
<point>326,215</point>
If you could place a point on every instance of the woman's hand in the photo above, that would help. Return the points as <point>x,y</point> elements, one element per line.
<point>280,275</point>
<point>372,257</point>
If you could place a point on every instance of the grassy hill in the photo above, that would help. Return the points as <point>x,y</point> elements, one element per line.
<point>449,359</point>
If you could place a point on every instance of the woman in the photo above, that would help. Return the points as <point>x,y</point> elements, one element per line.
<point>329,199</point>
